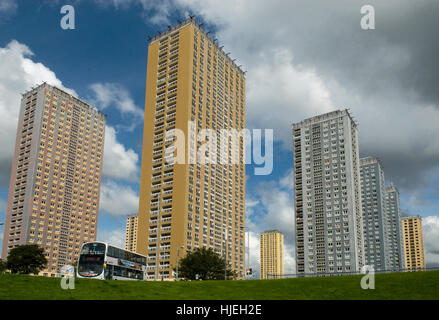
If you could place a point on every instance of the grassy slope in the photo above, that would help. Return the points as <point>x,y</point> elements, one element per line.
<point>420,285</point>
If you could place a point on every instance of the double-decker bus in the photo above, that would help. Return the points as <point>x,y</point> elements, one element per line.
<point>99,260</point>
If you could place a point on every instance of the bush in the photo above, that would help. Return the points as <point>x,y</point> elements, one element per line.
<point>26,259</point>
<point>204,262</point>
<point>2,266</point>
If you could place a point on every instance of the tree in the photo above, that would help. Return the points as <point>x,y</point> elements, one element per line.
<point>26,259</point>
<point>2,266</point>
<point>206,263</point>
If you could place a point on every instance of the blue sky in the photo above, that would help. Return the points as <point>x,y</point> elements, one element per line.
<point>286,74</point>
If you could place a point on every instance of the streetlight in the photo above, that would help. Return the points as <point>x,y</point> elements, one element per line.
<point>248,249</point>
<point>178,248</point>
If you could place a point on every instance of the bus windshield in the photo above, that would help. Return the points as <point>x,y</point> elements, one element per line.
<point>91,260</point>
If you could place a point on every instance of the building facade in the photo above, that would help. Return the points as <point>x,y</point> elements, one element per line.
<point>56,176</point>
<point>373,195</point>
<point>192,84</point>
<point>413,243</point>
<point>327,195</point>
<point>131,233</point>
<point>271,254</point>
<point>394,230</point>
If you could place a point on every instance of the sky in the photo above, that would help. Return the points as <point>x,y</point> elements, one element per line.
<point>302,58</point>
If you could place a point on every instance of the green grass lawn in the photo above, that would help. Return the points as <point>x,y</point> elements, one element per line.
<point>419,285</point>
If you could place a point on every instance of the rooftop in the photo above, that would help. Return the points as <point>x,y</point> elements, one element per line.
<point>370,160</point>
<point>192,21</point>
<point>66,95</point>
<point>324,117</point>
<point>272,231</point>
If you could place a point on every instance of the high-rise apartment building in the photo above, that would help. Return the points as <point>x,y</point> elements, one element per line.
<point>131,233</point>
<point>271,254</point>
<point>373,195</point>
<point>192,84</point>
<point>327,193</point>
<point>394,230</point>
<point>56,175</point>
<point>413,243</point>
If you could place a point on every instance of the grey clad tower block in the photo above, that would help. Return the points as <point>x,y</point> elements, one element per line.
<point>375,219</point>
<point>394,226</point>
<point>327,195</point>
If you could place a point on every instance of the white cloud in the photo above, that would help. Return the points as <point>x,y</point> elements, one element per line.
<point>114,94</point>
<point>18,74</point>
<point>119,162</point>
<point>430,230</point>
<point>254,259</point>
<point>118,199</point>
<point>115,237</point>
<point>271,207</point>
<point>156,12</point>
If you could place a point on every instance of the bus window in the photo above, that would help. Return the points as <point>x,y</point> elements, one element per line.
<point>91,259</point>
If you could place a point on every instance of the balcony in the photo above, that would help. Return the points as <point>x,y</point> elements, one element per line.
<point>169,165</point>
<point>170,174</point>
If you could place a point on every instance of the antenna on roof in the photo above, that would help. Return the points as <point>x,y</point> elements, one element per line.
<point>191,17</point>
